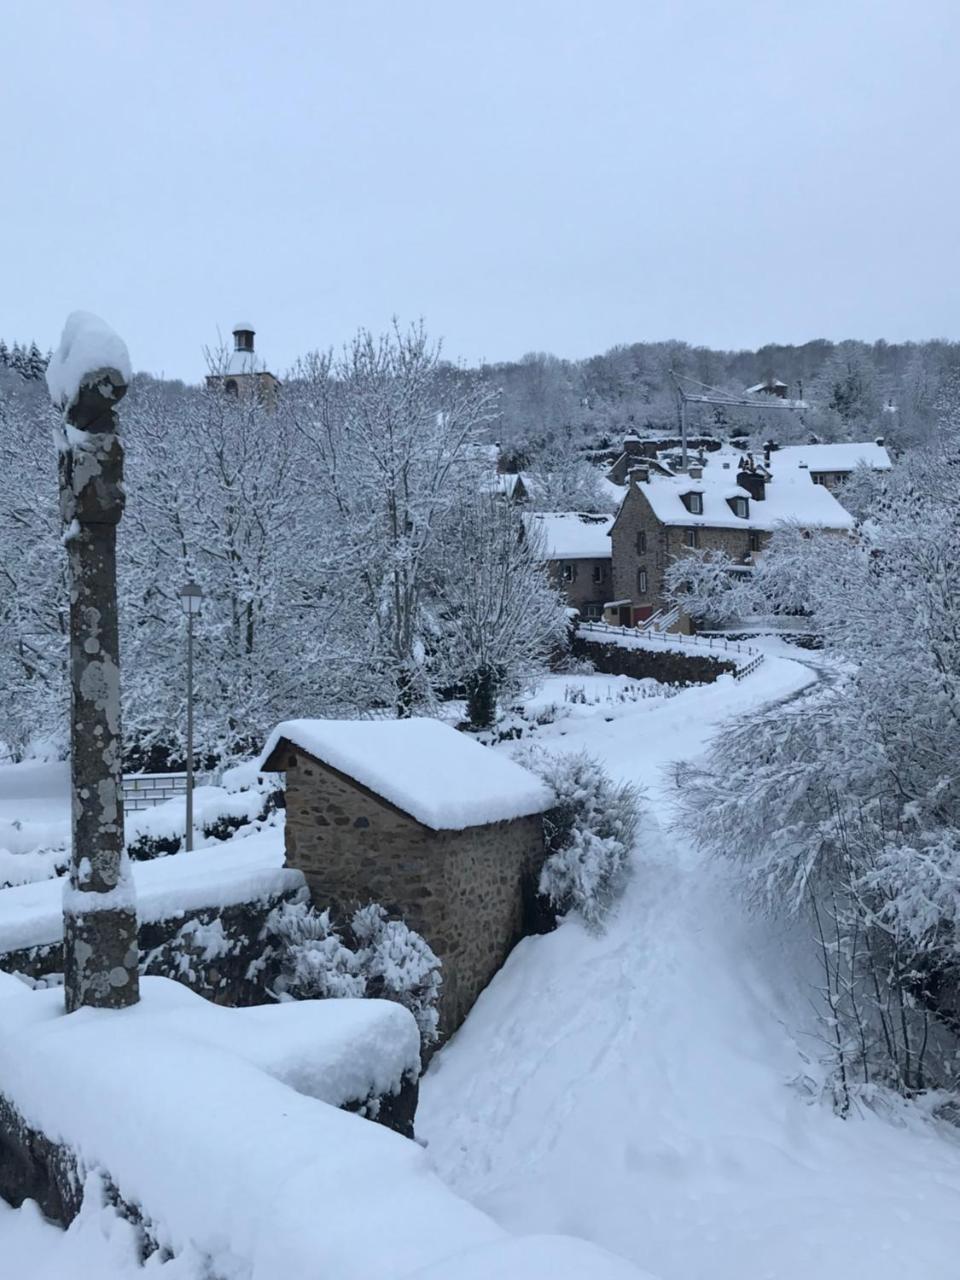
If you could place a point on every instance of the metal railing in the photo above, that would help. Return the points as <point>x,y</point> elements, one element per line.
<point>747,660</point>
<point>144,790</point>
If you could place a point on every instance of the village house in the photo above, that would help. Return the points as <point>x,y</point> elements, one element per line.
<point>243,371</point>
<point>730,504</point>
<point>769,387</point>
<point>577,552</point>
<point>441,831</point>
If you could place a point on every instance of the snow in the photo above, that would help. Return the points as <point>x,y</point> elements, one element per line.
<point>88,346</point>
<point>654,1089</point>
<point>790,497</point>
<point>572,535</point>
<point>244,362</point>
<point>830,457</point>
<point>228,873</point>
<point>243,326</point>
<point>235,1172</point>
<point>441,777</point>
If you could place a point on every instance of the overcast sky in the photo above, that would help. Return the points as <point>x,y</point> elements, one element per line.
<point>556,175</point>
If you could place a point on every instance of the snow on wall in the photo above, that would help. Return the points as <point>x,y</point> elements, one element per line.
<point>247,870</point>
<point>236,1172</point>
<point>87,346</point>
<point>439,776</point>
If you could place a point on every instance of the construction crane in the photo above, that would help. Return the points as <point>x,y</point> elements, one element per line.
<point>717,396</point>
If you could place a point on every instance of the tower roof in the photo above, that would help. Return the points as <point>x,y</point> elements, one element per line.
<point>243,326</point>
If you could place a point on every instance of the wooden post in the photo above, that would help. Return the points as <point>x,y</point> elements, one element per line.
<point>100,915</point>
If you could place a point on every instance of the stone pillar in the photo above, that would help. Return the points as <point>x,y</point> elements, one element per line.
<point>100,916</point>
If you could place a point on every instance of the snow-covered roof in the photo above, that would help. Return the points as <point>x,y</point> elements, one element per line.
<point>241,362</point>
<point>831,457</point>
<point>441,777</point>
<point>572,535</point>
<point>87,346</point>
<point>243,326</point>
<point>765,385</point>
<point>790,497</point>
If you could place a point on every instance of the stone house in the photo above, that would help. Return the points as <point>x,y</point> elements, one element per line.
<point>770,386</point>
<point>728,505</point>
<point>414,815</point>
<point>243,372</point>
<point>576,550</point>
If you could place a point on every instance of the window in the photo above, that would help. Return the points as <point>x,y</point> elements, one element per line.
<point>753,539</point>
<point>693,502</point>
<point>641,582</point>
<point>568,572</point>
<point>691,537</point>
<point>599,573</point>
<point>818,478</point>
<point>741,507</point>
<point>641,543</point>
<point>593,611</point>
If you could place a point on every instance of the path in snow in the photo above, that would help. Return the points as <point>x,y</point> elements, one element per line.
<point>635,1089</point>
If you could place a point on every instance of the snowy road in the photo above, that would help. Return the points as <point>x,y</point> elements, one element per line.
<point>640,1089</point>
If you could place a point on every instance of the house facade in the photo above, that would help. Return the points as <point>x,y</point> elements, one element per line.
<point>577,551</point>
<point>728,505</point>
<point>831,465</point>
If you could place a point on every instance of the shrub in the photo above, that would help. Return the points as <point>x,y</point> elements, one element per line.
<point>372,956</point>
<point>589,832</point>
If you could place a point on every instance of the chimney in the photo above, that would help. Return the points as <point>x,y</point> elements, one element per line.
<point>695,472</point>
<point>243,332</point>
<point>879,441</point>
<point>754,484</point>
<point>639,475</point>
<point>767,446</point>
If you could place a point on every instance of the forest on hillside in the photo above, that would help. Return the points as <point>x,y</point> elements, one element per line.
<point>851,389</point>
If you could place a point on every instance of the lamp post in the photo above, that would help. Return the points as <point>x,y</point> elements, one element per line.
<point>191,596</point>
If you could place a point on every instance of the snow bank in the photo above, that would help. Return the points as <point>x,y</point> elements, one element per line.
<point>238,871</point>
<point>439,776</point>
<point>88,347</point>
<point>333,1050</point>
<point>233,1167</point>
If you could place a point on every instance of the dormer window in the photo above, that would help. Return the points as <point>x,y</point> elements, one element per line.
<point>693,502</point>
<point>740,507</point>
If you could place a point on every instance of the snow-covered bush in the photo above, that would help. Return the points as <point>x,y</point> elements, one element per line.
<point>590,833</point>
<point>398,965</point>
<point>371,956</point>
<point>315,962</point>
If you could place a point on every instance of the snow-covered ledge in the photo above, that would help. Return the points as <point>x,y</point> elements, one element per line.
<point>212,1151</point>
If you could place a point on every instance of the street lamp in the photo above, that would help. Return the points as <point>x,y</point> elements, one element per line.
<point>191,596</point>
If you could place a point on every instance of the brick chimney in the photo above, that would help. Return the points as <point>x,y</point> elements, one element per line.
<point>754,484</point>
<point>695,472</point>
<point>639,475</point>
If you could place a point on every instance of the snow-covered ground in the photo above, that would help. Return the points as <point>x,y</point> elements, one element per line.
<point>655,1089</point>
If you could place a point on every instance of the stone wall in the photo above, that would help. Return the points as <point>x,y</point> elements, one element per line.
<point>216,965</point>
<point>667,666</point>
<point>463,891</point>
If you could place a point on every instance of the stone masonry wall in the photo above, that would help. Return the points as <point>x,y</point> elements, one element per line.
<point>583,589</point>
<point>667,666</point>
<point>663,544</point>
<point>463,891</point>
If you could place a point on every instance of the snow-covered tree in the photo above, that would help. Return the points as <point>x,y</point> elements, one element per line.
<point>498,617</point>
<point>390,432</point>
<point>845,803</point>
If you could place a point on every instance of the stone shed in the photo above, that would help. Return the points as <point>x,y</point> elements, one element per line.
<point>442,831</point>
